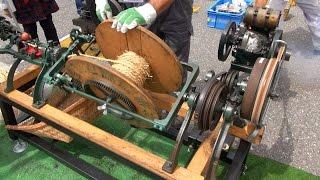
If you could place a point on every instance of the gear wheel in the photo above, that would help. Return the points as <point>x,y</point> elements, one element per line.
<point>103,90</point>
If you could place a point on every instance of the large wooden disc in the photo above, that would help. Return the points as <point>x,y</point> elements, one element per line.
<point>86,68</point>
<point>165,67</point>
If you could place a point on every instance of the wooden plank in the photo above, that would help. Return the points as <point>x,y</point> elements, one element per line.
<point>134,42</point>
<point>124,149</point>
<point>245,132</point>
<point>201,157</point>
<point>25,76</point>
<point>112,43</point>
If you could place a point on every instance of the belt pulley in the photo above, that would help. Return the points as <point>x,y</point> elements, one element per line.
<point>209,107</point>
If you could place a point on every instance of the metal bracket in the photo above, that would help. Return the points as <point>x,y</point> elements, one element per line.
<point>171,164</point>
<point>10,77</point>
<point>218,146</point>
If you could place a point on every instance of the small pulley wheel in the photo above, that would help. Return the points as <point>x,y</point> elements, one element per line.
<point>230,78</point>
<point>210,104</point>
<point>226,41</point>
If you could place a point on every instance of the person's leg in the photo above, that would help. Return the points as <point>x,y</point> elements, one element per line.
<point>31,29</point>
<point>49,29</point>
<point>311,11</point>
<point>79,5</point>
<point>277,4</point>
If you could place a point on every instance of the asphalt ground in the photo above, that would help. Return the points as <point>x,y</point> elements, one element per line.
<point>292,121</point>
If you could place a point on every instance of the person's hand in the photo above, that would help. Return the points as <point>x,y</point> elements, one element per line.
<point>133,17</point>
<point>103,10</point>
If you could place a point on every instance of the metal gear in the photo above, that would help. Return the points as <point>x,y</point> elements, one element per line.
<point>103,90</point>
<point>77,84</point>
<point>209,107</point>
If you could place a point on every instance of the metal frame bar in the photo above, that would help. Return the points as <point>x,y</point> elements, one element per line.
<point>64,157</point>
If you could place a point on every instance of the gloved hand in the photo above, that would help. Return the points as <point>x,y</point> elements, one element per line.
<point>133,17</point>
<point>103,10</point>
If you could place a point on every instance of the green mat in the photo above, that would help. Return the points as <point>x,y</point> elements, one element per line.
<point>35,164</point>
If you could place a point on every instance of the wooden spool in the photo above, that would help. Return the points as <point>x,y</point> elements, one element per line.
<point>165,67</point>
<point>87,68</point>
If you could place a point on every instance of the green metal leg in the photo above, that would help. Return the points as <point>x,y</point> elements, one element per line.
<point>10,77</point>
<point>38,100</point>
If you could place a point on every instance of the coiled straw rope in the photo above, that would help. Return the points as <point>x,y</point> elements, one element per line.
<point>132,66</point>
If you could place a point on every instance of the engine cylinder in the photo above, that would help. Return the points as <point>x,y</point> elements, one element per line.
<point>262,18</point>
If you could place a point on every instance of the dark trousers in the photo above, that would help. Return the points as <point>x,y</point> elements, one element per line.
<point>48,27</point>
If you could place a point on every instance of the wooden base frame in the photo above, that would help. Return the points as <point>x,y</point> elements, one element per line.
<point>74,126</point>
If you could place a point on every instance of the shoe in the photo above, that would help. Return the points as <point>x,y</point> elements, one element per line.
<point>316,52</point>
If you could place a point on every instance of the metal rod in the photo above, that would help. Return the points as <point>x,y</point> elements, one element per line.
<point>108,105</point>
<point>65,157</point>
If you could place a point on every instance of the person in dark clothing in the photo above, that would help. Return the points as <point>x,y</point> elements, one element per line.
<point>168,19</point>
<point>29,12</point>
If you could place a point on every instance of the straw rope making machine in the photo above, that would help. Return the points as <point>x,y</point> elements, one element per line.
<point>137,78</point>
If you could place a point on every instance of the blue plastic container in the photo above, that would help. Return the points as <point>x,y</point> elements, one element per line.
<point>220,20</point>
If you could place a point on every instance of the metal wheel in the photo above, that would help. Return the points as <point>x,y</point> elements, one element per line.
<point>226,42</point>
<point>230,78</point>
<point>258,89</point>
<point>209,107</point>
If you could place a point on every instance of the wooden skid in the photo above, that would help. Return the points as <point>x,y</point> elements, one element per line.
<point>84,129</point>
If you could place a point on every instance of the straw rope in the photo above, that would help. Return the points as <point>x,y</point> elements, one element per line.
<point>132,66</point>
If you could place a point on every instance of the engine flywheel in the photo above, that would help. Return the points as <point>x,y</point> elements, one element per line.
<point>226,41</point>
<point>209,106</point>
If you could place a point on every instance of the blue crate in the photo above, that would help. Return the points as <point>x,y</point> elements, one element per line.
<point>220,20</point>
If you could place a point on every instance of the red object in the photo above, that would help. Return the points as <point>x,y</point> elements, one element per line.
<point>25,36</point>
<point>25,1</point>
<point>33,50</point>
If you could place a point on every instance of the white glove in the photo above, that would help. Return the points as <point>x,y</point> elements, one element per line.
<point>103,10</point>
<point>3,5</point>
<point>133,17</point>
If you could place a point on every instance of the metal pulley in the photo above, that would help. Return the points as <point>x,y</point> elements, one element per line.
<point>262,18</point>
<point>210,104</point>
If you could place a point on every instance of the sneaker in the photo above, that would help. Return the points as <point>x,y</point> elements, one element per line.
<point>316,52</point>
